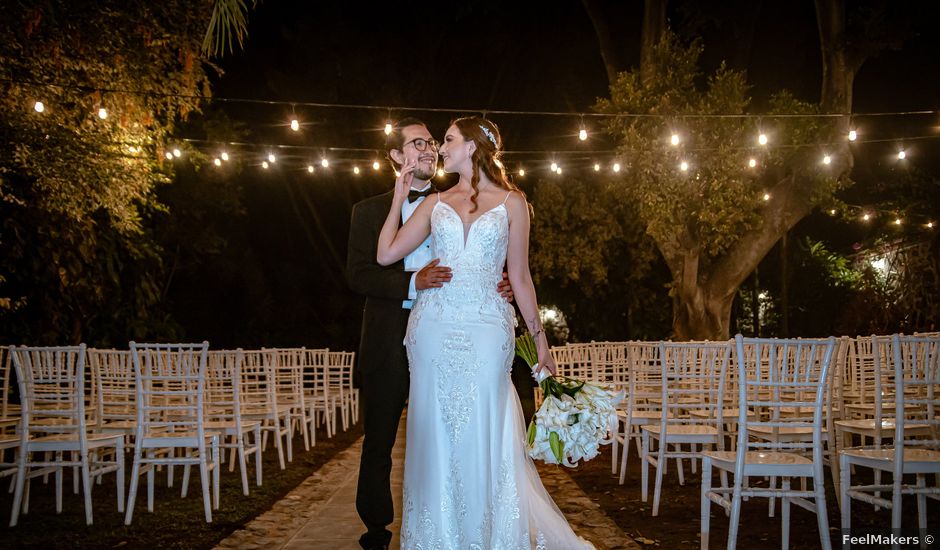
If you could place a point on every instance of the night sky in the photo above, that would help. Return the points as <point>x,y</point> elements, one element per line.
<point>492,55</point>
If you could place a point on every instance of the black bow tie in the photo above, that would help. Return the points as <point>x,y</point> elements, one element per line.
<point>414,195</point>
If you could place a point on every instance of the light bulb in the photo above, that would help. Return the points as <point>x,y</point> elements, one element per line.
<point>558,171</point>
<point>866,217</point>
<point>397,174</point>
<point>295,125</point>
<point>616,167</point>
<point>39,107</point>
<point>897,221</point>
<point>271,158</point>
<point>674,139</point>
<point>388,128</point>
<point>766,196</point>
<point>597,167</point>
<point>554,167</point>
<point>853,135</point>
<point>325,163</point>
<point>752,162</point>
<point>102,113</point>
<point>310,169</point>
<point>217,162</point>
<point>762,139</point>
<point>376,165</point>
<point>582,135</point>
<point>522,172</point>
<point>440,172</point>
<point>356,170</point>
<point>264,164</point>
<point>902,155</point>
<point>929,225</point>
<point>169,155</point>
<point>827,159</point>
<point>177,153</point>
<point>224,156</point>
<point>832,212</point>
<point>684,166</point>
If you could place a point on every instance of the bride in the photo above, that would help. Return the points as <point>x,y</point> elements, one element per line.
<point>468,480</point>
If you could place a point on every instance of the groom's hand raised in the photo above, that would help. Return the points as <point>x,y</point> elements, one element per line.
<point>432,275</point>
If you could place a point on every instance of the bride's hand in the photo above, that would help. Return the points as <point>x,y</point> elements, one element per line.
<point>546,361</point>
<point>403,182</point>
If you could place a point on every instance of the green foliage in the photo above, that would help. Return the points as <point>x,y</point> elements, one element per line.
<point>591,258</point>
<point>75,189</point>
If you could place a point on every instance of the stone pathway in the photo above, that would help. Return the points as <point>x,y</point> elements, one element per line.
<point>320,513</point>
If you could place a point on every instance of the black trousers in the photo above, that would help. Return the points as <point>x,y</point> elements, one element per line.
<point>383,392</point>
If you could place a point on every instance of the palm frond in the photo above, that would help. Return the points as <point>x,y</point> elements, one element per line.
<point>229,23</point>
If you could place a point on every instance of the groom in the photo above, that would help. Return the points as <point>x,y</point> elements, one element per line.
<point>389,292</point>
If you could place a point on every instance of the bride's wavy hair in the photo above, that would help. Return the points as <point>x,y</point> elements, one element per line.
<point>485,159</point>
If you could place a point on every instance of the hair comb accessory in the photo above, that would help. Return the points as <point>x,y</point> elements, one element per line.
<point>489,135</point>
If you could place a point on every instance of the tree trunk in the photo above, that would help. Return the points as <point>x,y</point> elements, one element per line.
<point>654,25</point>
<point>701,316</point>
<point>608,52</point>
<point>838,70</point>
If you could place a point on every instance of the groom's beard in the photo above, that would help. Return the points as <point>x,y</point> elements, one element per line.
<point>424,175</point>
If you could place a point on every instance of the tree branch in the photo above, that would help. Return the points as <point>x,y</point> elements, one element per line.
<point>604,40</point>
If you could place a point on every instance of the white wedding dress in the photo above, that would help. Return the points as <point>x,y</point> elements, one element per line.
<point>469,483</point>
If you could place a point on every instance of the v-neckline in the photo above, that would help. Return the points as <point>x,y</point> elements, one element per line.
<point>467,230</point>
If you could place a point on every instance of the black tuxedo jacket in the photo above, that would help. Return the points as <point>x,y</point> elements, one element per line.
<point>383,319</point>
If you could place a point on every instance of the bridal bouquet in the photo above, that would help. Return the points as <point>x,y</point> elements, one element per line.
<point>575,416</point>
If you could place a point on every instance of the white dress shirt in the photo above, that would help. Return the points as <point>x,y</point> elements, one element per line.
<point>421,256</point>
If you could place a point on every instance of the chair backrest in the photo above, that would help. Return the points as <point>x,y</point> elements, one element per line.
<point>52,392</point>
<point>258,381</point>
<point>115,395</point>
<point>223,389</point>
<point>694,375</point>
<point>289,374</point>
<point>917,376</point>
<point>645,382</point>
<point>6,361</point>
<point>340,367</point>
<point>170,382</point>
<point>573,361</point>
<point>784,381</point>
<point>315,372</point>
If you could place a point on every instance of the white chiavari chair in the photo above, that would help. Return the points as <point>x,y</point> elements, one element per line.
<point>643,404</point>
<point>317,392</point>
<point>9,412</point>
<point>787,379</point>
<point>224,412</point>
<point>171,380</point>
<point>260,402</point>
<point>339,376</point>
<point>289,373</point>
<point>693,375</point>
<point>916,435</point>
<point>52,396</point>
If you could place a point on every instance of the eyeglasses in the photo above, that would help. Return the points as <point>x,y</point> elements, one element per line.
<point>421,144</point>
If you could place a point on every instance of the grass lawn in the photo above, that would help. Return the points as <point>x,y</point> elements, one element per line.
<point>175,522</point>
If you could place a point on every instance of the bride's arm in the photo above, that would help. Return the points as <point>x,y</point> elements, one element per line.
<point>395,243</point>
<point>517,262</point>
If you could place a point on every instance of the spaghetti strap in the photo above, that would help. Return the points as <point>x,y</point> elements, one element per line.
<point>507,197</point>
<point>438,196</point>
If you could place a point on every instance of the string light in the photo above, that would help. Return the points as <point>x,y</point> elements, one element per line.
<point>397,174</point>
<point>325,163</point>
<point>217,162</point>
<point>752,162</point>
<point>295,125</point>
<point>929,225</point>
<point>762,139</point>
<point>558,171</point>
<point>39,107</point>
<point>827,159</point>
<point>766,196</point>
<point>376,166</point>
<point>388,128</point>
<point>271,158</point>
<point>310,169</point>
<point>897,221</point>
<point>356,170</point>
<point>177,153</point>
<point>832,212</point>
<point>224,156</point>
<point>554,167</point>
<point>674,139</point>
<point>866,217</point>
<point>102,113</point>
<point>169,155</point>
<point>522,172</point>
<point>597,167</point>
<point>902,154</point>
<point>616,167</point>
<point>684,166</point>
<point>853,135</point>
<point>264,164</point>
<point>582,135</point>
<point>440,172</point>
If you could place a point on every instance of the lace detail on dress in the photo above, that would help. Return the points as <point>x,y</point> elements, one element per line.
<point>456,389</point>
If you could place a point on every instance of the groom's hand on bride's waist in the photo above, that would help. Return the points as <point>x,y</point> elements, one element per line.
<point>504,288</point>
<point>433,275</point>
